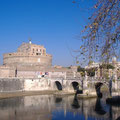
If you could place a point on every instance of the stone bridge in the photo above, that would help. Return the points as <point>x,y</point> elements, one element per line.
<point>86,84</point>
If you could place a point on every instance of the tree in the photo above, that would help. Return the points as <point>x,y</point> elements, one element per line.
<point>90,62</point>
<point>106,66</point>
<point>81,70</point>
<point>91,71</point>
<point>105,69</point>
<point>101,36</point>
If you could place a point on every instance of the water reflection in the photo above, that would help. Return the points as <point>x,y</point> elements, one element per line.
<point>58,99</point>
<point>75,103</point>
<point>118,118</point>
<point>49,107</point>
<point>11,102</point>
<point>98,107</point>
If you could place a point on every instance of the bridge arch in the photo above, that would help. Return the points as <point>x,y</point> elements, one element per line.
<point>98,86</point>
<point>74,85</point>
<point>58,85</point>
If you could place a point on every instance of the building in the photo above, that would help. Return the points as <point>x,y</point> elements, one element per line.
<point>32,61</point>
<point>28,54</point>
<point>104,72</point>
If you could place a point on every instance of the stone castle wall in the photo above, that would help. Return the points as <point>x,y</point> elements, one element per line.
<point>11,84</point>
<point>27,74</point>
<point>31,61</point>
<point>17,84</point>
<point>36,71</point>
<point>6,72</point>
<point>28,54</point>
<point>22,58</point>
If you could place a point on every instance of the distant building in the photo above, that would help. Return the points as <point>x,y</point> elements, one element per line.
<point>32,61</point>
<point>92,65</point>
<point>102,72</point>
<point>28,54</point>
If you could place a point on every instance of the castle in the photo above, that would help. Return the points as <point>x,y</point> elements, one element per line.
<point>31,61</point>
<point>28,54</point>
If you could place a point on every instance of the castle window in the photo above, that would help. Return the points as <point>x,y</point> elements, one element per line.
<point>38,53</point>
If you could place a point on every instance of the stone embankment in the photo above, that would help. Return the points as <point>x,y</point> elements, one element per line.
<point>14,87</point>
<point>24,93</point>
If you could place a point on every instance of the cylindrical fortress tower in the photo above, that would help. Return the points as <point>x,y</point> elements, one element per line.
<point>28,54</point>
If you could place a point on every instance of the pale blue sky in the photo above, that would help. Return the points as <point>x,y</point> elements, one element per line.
<point>52,23</point>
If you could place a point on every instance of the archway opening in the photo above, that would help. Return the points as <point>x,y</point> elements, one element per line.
<point>75,85</point>
<point>101,89</point>
<point>58,84</point>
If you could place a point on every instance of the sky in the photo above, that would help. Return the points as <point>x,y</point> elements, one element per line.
<point>56,24</point>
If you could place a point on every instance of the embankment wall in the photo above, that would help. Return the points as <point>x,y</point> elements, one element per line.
<point>21,84</point>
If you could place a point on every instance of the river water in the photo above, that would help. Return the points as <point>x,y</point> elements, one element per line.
<point>50,107</point>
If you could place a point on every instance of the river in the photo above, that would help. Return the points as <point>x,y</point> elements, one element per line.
<point>50,107</point>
